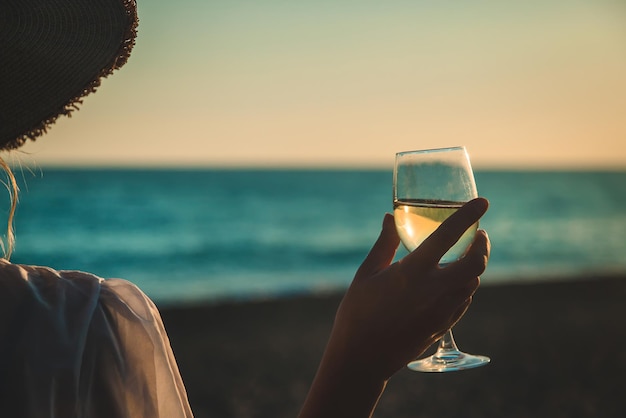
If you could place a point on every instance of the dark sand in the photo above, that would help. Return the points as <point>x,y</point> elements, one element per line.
<point>557,350</point>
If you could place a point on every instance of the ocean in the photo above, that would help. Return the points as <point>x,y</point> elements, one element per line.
<point>208,235</point>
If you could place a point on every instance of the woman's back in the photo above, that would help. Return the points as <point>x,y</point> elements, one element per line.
<point>75,345</point>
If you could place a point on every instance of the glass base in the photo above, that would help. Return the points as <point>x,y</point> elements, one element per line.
<point>448,361</point>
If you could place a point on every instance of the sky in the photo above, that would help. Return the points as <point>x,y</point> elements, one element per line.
<point>345,83</point>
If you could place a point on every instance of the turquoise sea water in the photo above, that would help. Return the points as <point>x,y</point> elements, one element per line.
<point>192,235</point>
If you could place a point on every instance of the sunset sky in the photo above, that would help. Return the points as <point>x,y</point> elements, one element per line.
<point>534,84</point>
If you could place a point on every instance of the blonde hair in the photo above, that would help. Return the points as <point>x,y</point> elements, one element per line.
<point>11,185</point>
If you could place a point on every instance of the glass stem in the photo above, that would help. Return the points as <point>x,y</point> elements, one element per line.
<point>447,346</point>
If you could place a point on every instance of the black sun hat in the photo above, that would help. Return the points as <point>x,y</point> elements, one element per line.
<point>52,54</point>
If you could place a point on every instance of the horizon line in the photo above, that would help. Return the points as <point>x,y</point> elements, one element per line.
<point>294,167</point>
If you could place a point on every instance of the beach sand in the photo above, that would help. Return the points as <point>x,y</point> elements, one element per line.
<point>558,350</point>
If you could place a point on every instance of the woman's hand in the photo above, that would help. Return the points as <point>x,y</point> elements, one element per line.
<point>393,312</point>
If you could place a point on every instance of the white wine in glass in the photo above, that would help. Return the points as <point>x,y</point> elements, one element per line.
<point>428,187</point>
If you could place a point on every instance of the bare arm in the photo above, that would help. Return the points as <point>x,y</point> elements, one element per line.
<point>393,312</point>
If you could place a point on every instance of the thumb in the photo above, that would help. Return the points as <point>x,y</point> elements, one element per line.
<point>383,251</point>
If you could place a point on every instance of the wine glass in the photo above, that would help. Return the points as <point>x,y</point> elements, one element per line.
<point>429,186</point>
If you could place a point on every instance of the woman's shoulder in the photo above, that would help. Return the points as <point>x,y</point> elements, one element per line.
<point>71,291</point>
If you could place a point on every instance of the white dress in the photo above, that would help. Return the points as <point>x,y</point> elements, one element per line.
<point>73,345</point>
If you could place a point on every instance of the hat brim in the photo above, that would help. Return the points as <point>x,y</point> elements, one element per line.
<point>53,54</point>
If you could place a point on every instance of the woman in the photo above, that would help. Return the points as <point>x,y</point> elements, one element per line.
<point>75,345</point>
